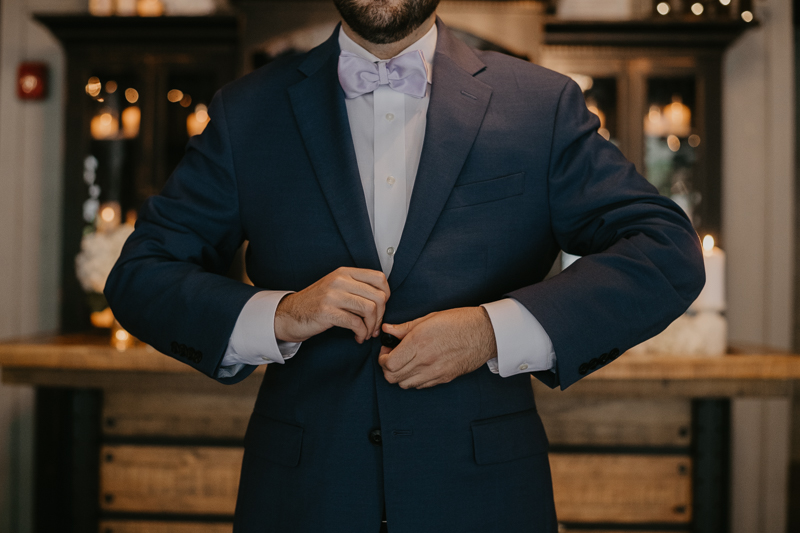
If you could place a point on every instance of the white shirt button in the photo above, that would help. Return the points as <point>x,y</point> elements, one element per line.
<point>390,250</point>
<point>390,180</point>
<point>266,359</point>
<point>523,366</point>
<point>390,116</point>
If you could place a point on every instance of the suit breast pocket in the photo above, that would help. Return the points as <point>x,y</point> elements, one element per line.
<point>485,191</point>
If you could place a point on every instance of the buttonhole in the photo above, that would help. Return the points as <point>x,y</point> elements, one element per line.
<point>465,93</point>
<point>401,432</point>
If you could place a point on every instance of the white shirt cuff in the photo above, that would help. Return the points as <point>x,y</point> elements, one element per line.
<point>522,343</point>
<point>253,339</point>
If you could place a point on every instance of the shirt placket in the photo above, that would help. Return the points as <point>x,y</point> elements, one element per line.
<point>389,173</point>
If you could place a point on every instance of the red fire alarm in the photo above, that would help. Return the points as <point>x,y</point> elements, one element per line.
<point>32,81</point>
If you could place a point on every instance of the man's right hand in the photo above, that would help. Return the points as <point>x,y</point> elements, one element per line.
<point>351,298</point>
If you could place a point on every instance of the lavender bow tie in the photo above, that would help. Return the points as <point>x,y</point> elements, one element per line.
<point>407,73</point>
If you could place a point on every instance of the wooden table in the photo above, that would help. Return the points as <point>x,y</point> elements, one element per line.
<point>644,442</point>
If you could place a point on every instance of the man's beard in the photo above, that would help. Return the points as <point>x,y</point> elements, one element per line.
<point>385,21</point>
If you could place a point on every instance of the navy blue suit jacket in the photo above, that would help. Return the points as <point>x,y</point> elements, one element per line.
<point>512,171</point>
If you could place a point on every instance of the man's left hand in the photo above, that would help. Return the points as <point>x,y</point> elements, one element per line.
<point>438,347</point>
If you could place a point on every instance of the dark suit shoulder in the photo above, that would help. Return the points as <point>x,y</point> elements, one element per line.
<point>266,83</point>
<point>531,79</point>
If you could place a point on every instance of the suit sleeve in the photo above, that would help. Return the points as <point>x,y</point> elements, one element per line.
<point>641,264</point>
<point>168,287</point>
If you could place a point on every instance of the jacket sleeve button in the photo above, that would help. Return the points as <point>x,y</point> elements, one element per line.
<point>593,363</point>
<point>583,369</point>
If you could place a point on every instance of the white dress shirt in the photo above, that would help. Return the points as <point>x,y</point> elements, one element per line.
<point>388,129</point>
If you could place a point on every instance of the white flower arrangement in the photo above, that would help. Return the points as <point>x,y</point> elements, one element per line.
<point>99,252</point>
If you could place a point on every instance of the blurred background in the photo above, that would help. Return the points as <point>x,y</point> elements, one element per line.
<point>697,430</point>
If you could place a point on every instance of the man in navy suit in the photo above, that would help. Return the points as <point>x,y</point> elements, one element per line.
<point>397,187</point>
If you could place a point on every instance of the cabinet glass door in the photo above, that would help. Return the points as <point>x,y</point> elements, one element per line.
<point>671,139</point>
<point>114,109</point>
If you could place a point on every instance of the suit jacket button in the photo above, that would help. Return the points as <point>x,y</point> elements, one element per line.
<point>389,340</point>
<point>604,359</point>
<point>198,356</point>
<point>593,363</point>
<point>375,437</point>
<point>613,354</point>
<point>583,369</point>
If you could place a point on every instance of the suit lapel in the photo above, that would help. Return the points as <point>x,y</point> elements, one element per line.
<point>455,113</point>
<point>318,105</point>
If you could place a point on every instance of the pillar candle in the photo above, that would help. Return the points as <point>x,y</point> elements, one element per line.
<point>712,298</point>
<point>131,120</point>
<point>104,126</point>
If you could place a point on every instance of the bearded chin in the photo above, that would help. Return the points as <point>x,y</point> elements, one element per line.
<point>384,21</point>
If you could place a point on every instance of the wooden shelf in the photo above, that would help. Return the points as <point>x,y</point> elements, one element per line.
<point>142,31</point>
<point>94,354</point>
<point>647,33</point>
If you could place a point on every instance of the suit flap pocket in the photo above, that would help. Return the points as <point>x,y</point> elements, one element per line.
<point>508,437</point>
<point>277,441</point>
<point>486,191</point>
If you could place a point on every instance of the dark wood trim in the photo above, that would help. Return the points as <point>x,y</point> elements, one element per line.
<point>67,469</point>
<point>594,527</point>
<point>648,33</point>
<point>708,179</point>
<point>711,437</point>
<point>797,180</point>
<point>794,497</point>
<point>142,31</point>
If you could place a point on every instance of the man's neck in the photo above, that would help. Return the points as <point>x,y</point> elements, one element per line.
<point>388,51</point>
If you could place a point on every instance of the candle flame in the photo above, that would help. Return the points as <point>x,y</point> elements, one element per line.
<point>708,243</point>
<point>108,214</point>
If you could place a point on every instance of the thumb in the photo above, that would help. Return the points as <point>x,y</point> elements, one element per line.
<point>399,330</point>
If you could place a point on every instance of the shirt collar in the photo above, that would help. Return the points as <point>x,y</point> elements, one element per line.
<point>426,43</point>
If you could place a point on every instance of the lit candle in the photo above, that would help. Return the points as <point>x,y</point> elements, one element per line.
<point>109,217</point>
<point>126,8</point>
<point>101,8</point>
<point>104,126</point>
<point>712,298</point>
<point>131,119</point>
<point>150,8</point>
<point>197,121</point>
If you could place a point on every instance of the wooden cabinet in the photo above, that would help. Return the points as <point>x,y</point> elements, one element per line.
<point>136,89</point>
<point>136,526</point>
<point>613,461</point>
<point>144,443</point>
<point>620,461</point>
<point>622,488</point>
<point>657,88</point>
<point>174,479</point>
